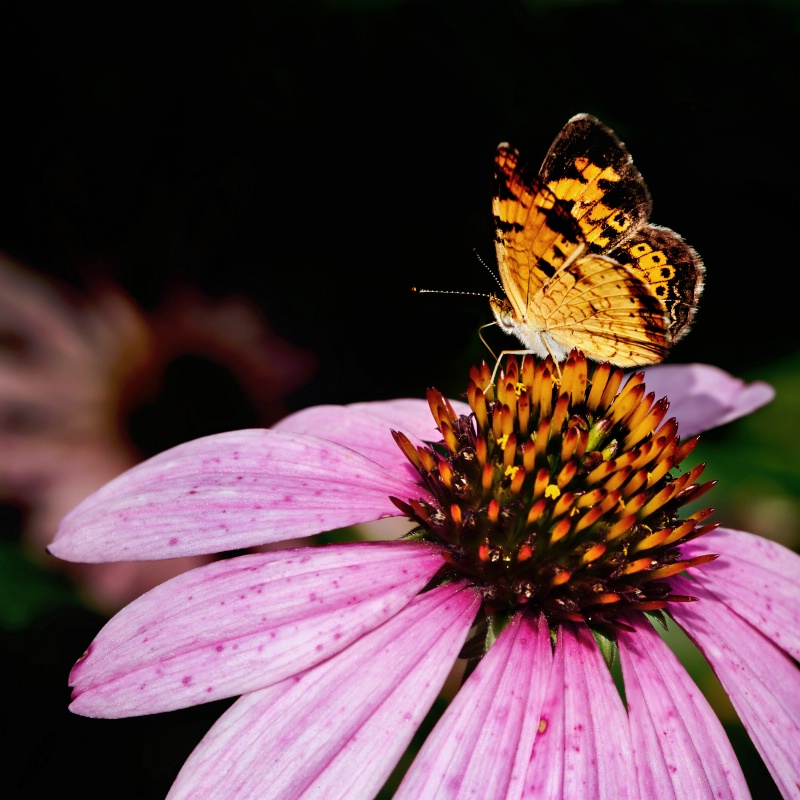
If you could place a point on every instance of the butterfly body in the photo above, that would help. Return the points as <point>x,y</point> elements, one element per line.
<point>580,264</point>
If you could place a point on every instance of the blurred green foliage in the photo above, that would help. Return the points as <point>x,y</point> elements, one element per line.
<point>29,591</point>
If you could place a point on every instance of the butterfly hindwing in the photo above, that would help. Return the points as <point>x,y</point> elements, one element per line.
<point>672,268</point>
<point>597,307</point>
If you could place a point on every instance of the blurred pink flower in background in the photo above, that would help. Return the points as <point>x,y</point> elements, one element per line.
<point>544,516</point>
<point>74,366</point>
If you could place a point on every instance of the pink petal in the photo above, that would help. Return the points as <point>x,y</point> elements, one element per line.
<point>759,579</point>
<point>229,491</point>
<point>244,623</point>
<point>366,427</point>
<point>337,730</point>
<point>583,748</point>
<point>360,431</point>
<point>679,744</point>
<point>703,397</point>
<point>411,416</point>
<point>472,749</point>
<point>762,682</point>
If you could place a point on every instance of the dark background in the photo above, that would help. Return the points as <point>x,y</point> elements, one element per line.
<point>325,157</point>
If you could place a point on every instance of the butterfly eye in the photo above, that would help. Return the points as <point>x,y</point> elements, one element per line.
<point>506,319</point>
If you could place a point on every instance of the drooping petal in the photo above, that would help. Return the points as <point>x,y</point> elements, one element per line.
<point>410,415</point>
<point>365,427</point>
<point>758,578</point>
<point>226,492</point>
<point>583,747</point>
<point>244,623</point>
<point>355,428</point>
<point>679,743</point>
<point>337,730</point>
<point>762,682</point>
<point>703,397</point>
<point>471,750</point>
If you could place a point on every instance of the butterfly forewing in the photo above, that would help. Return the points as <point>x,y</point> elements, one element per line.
<point>534,232</point>
<point>589,168</point>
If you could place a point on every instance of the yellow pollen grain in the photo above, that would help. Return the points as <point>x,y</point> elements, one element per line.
<point>552,492</point>
<point>542,725</point>
<point>502,441</point>
<point>511,471</point>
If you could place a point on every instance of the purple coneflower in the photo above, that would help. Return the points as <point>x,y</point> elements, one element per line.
<point>550,533</point>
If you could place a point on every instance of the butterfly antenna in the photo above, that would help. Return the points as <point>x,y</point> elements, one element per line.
<point>447,291</point>
<point>488,268</point>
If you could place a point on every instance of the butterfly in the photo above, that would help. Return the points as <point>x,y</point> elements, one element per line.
<point>580,264</point>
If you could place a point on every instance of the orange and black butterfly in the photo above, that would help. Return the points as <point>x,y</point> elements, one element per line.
<point>580,263</point>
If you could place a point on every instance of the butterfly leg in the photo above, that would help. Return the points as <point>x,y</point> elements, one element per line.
<point>555,360</point>
<point>507,353</point>
<point>524,353</point>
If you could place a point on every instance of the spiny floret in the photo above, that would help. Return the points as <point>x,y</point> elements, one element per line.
<point>559,492</point>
